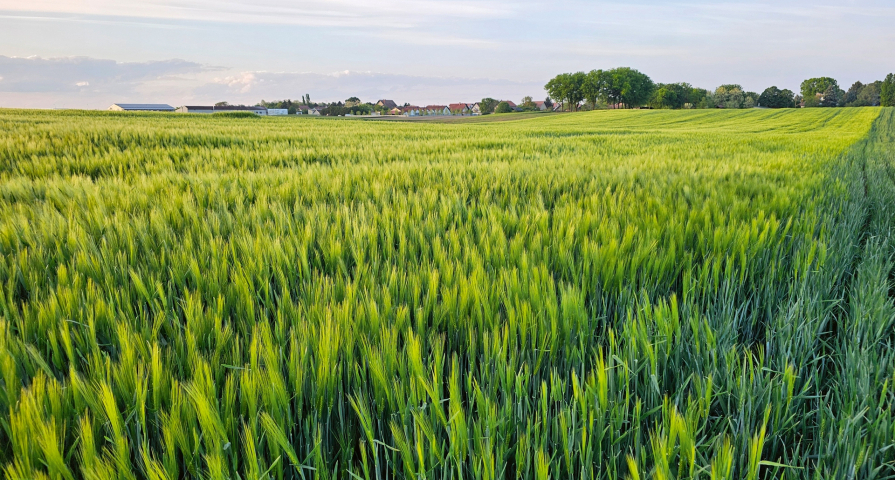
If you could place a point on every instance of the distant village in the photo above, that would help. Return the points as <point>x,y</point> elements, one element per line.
<point>351,107</point>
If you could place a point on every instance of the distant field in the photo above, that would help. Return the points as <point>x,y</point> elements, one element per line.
<point>616,294</point>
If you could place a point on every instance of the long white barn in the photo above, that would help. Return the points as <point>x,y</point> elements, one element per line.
<point>141,107</point>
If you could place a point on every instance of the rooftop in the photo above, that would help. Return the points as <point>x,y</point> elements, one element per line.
<point>144,106</point>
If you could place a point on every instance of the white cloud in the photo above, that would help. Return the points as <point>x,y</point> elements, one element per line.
<point>66,74</point>
<point>241,83</point>
<point>345,13</point>
<point>81,82</point>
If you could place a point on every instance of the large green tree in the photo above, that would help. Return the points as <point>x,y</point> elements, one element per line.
<point>851,96</point>
<point>629,87</point>
<point>699,98</point>
<point>557,86</point>
<point>729,96</point>
<point>569,87</point>
<point>822,92</point>
<point>832,97</point>
<point>868,96</point>
<point>594,87</point>
<point>813,86</point>
<point>887,91</point>
<point>487,105</point>
<point>503,107</point>
<point>773,97</point>
<point>672,95</point>
<point>576,91</point>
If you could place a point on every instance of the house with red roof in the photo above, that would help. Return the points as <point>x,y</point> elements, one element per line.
<point>437,110</point>
<point>460,108</point>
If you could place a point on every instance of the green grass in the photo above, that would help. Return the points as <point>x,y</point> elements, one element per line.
<point>619,294</point>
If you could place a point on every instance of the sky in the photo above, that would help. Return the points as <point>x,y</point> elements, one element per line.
<point>91,53</point>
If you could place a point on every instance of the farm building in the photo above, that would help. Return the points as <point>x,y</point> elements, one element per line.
<point>278,111</point>
<point>217,109</point>
<point>141,107</point>
<point>389,104</point>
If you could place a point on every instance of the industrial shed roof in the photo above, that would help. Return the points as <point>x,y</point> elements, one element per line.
<point>145,106</point>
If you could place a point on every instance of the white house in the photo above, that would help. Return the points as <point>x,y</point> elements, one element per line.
<point>314,111</point>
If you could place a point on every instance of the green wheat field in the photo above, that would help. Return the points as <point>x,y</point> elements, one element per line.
<point>605,295</point>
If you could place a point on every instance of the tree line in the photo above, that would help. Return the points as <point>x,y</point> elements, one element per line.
<point>351,106</point>
<point>628,88</point>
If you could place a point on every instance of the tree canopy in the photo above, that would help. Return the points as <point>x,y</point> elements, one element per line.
<point>831,96</point>
<point>487,105</point>
<point>595,84</point>
<point>729,96</point>
<point>813,86</point>
<point>887,91</point>
<point>630,87</point>
<point>568,87</point>
<point>558,87</point>
<point>624,86</point>
<point>503,107</point>
<point>851,96</point>
<point>676,95</point>
<point>773,97</point>
<point>868,96</point>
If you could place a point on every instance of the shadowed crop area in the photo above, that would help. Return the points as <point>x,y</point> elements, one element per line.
<point>606,295</point>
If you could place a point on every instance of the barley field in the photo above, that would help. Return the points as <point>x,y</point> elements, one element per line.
<point>605,295</point>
